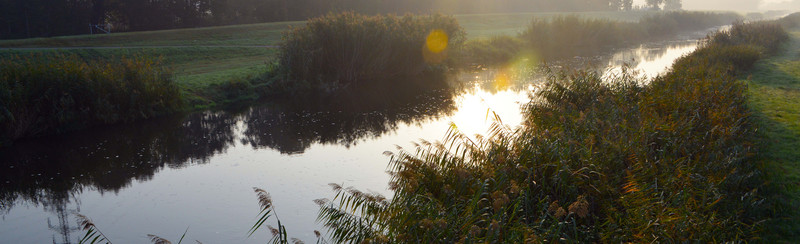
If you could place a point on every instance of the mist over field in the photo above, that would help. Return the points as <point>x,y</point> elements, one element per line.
<point>737,5</point>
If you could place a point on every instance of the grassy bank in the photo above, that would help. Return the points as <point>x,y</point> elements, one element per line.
<point>45,94</point>
<point>476,25</point>
<point>230,65</point>
<point>598,161</point>
<point>197,70</point>
<point>775,98</point>
<point>203,59</point>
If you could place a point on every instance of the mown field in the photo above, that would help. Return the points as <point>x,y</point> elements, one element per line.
<point>201,57</point>
<point>775,97</point>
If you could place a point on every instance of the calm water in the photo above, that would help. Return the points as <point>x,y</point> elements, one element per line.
<point>197,171</point>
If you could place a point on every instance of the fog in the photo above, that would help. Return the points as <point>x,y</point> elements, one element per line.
<point>738,5</point>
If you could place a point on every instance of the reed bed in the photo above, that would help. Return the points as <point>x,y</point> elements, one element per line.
<point>42,94</point>
<point>597,160</point>
<point>567,36</point>
<point>346,49</point>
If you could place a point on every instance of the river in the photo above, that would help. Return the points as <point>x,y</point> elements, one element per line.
<point>196,171</point>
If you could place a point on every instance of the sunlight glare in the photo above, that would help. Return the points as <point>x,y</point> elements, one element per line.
<point>437,41</point>
<point>475,115</point>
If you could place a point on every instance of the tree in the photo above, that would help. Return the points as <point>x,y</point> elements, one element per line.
<point>673,5</point>
<point>98,12</point>
<point>615,5</point>
<point>655,4</point>
<point>627,5</point>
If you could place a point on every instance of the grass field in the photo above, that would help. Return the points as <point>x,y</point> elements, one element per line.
<point>205,55</point>
<point>265,34</point>
<point>775,97</point>
<point>202,57</point>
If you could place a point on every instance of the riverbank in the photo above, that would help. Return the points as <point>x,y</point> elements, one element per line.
<point>599,160</point>
<point>774,95</point>
<point>212,71</point>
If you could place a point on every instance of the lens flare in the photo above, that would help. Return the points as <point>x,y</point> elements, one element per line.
<point>437,41</point>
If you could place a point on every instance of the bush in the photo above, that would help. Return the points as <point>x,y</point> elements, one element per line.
<point>347,48</point>
<point>57,93</point>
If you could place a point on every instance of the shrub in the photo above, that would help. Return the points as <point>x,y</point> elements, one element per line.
<point>347,48</point>
<point>57,93</point>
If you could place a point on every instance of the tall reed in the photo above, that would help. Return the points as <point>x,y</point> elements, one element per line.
<point>567,36</point>
<point>42,94</point>
<point>345,49</point>
<point>598,160</point>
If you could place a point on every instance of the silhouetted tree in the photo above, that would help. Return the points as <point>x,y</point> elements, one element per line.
<point>627,5</point>
<point>42,18</point>
<point>673,5</point>
<point>615,4</point>
<point>655,4</point>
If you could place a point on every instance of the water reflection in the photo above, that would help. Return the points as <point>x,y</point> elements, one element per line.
<point>651,60</point>
<point>50,172</point>
<point>293,126</point>
<point>56,172</point>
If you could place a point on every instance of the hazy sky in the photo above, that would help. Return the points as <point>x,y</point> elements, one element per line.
<point>738,5</point>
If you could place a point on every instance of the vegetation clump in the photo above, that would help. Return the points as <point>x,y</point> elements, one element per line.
<point>568,36</point>
<point>598,160</point>
<point>347,49</point>
<point>56,93</point>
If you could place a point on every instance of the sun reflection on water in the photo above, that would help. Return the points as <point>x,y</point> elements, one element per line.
<point>478,106</point>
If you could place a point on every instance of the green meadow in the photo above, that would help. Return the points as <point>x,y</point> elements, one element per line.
<point>200,57</point>
<point>775,98</point>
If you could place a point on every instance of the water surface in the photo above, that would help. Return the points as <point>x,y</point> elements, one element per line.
<point>197,171</point>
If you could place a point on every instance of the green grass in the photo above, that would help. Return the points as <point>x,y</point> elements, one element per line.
<point>491,25</point>
<point>203,57</point>
<point>195,68</point>
<point>199,57</point>
<point>476,25</point>
<point>239,35</point>
<point>775,98</point>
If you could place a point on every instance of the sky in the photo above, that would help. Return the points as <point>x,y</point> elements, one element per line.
<point>738,5</point>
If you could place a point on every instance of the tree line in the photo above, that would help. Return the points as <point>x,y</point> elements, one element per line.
<point>44,18</point>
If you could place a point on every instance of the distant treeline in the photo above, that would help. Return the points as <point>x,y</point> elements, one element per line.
<point>44,18</point>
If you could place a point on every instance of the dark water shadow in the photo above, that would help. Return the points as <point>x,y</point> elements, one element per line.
<point>52,172</point>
